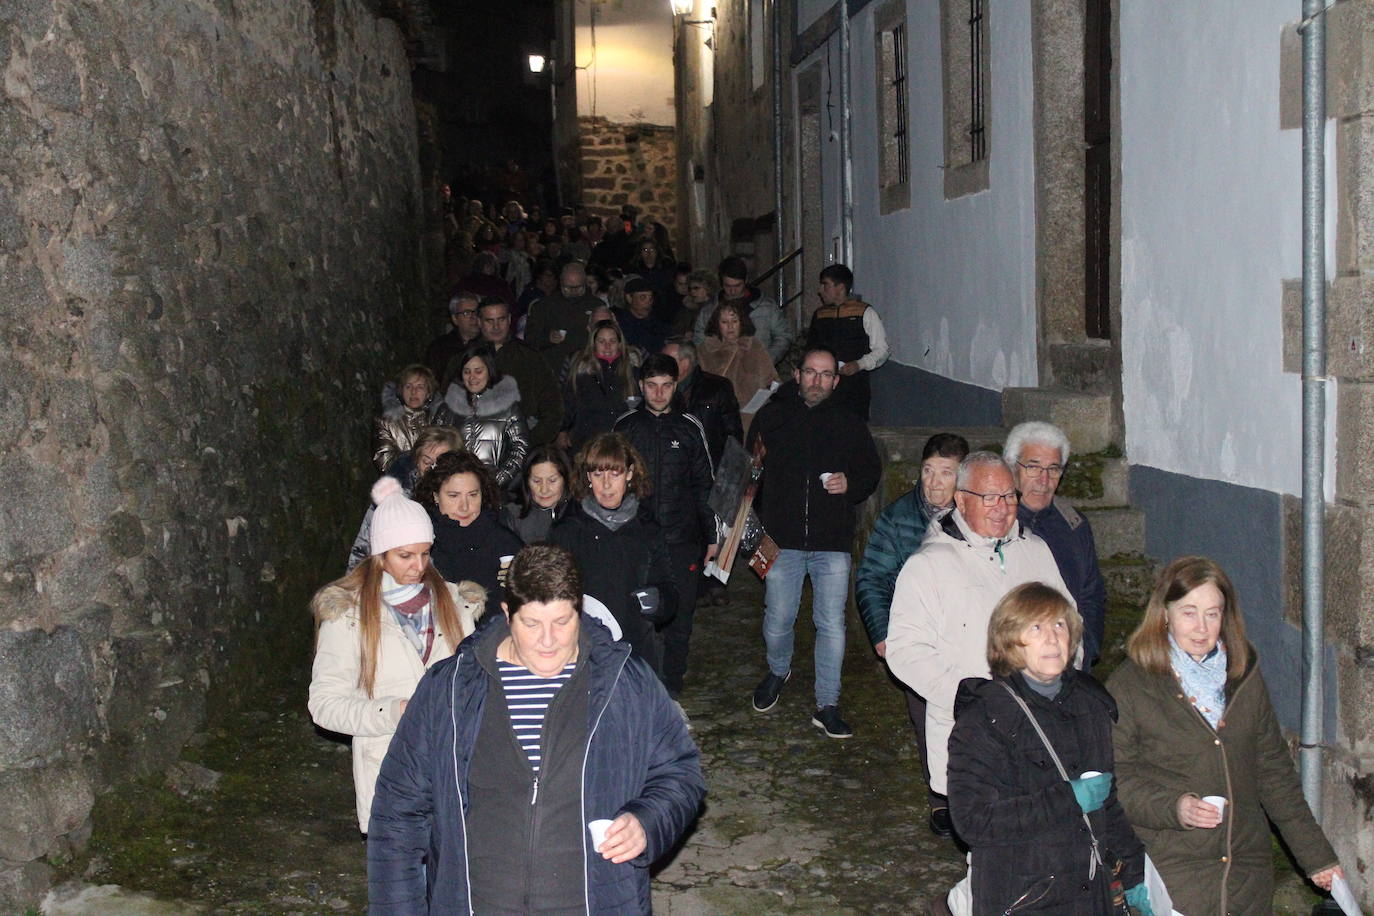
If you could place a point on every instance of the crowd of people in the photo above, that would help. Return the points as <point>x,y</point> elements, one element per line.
<point>512,635</point>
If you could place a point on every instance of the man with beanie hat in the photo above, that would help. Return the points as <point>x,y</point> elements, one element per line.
<point>642,329</point>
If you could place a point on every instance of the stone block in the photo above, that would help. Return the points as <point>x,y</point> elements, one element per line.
<point>1349,580</point>
<point>1350,328</point>
<point>41,804</point>
<point>55,77</point>
<point>1117,531</point>
<point>1085,418</point>
<point>1081,366</point>
<point>34,516</point>
<point>1349,59</point>
<point>1355,203</point>
<point>1115,485</point>
<point>1292,325</point>
<point>1355,435</point>
<point>1355,709</point>
<point>52,708</point>
<point>22,885</point>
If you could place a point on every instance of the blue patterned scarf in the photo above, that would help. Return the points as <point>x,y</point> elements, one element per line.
<point>1204,682</point>
<point>413,610</point>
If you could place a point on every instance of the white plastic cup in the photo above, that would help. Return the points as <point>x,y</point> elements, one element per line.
<point>826,476</point>
<point>505,561</point>
<point>1088,774</point>
<point>1217,801</point>
<point>598,830</point>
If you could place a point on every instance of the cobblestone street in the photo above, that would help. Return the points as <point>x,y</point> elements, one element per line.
<point>794,822</point>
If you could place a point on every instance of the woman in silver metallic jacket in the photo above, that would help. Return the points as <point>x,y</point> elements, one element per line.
<point>484,406</point>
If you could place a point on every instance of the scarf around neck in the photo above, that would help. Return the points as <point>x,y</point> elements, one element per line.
<point>1204,682</point>
<point>612,518</point>
<point>413,609</point>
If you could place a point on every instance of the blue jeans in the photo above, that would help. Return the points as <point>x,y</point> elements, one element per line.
<point>829,572</point>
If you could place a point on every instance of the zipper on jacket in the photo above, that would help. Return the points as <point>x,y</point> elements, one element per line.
<point>586,753</point>
<point>534,795</point>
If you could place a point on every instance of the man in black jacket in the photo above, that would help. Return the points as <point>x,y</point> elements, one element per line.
<point>708,397</point>
<point>820,464</point>
<point>675,454</point>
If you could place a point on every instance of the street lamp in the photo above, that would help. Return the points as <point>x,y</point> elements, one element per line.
<point>540,64</point>
<point>537,63</point>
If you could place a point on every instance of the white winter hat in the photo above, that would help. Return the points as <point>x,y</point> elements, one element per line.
<point>398,520</point>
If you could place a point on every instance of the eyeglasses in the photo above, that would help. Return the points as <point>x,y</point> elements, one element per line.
<point>824,375</point>
<point>466,313</point>
<point>1039,470</point>
<point>992,499</point>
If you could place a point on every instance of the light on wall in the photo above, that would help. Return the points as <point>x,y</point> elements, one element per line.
<point>537,63</point>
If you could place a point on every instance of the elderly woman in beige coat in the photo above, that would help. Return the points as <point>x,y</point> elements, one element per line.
<point>378,629</point>
<point>732,350</point>
<point>1196,726</point>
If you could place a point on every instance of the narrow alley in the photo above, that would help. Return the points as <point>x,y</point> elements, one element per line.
<point>258,818</point>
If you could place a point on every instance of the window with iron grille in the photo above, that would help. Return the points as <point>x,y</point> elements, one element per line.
<point>964,57</point>
<point>894,142</point>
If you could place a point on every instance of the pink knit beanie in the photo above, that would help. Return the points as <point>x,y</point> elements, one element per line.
<point>397,520</point>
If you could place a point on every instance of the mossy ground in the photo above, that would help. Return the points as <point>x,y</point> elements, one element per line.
<point>795,823</point>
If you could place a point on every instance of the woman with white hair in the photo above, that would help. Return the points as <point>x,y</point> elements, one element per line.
<point>1038,454</point>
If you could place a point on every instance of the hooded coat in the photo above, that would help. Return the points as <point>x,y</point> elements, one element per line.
<point>339,704</point>
<point>1165,749</point>
<point>492,425</point>
<point>636,756</point>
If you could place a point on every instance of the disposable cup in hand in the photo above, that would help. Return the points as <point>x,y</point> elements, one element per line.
<point>598,830</point>
<point>826,476</point>
<point>1089,774</point>
<point>1217,801</point>
<point>505,561</point>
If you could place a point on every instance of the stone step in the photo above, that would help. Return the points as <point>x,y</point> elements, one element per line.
<point>1117,531</point>
<point>1129,578</point>
<point>1084,367</point>
<point>1096,481</point>
<point>1085,418</point>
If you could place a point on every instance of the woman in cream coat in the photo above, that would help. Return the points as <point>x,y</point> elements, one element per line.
<point>378,629</point>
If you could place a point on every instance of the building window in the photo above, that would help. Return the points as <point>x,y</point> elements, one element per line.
<point>894,156</point>
<point>964,53</point>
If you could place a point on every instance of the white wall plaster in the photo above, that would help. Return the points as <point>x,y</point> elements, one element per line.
<point>627,74</point>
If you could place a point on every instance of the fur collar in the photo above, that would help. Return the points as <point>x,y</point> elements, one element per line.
<point>498,400</point>
<point>335,600</point>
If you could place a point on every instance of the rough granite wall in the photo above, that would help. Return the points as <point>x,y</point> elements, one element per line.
<point>630,164</point>
<point>209,256</point>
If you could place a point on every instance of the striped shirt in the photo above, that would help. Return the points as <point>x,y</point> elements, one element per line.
<point>527,701</point>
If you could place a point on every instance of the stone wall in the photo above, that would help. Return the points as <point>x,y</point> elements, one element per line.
<point>209,256</point>
<point>630,164</point>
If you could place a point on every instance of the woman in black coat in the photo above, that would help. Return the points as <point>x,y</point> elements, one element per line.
<point>601,385</point>
<point>469,539</point>
<point>1023,822</point>
<point>620,549</point>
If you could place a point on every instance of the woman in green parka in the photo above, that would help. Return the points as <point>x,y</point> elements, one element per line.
<point>1196,721</point>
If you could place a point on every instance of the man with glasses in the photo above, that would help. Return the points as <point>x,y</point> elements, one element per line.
<point>557,323</point>
<point>462,312</point>
<point>1037,454</point>
<point>819,465</point>
<point>937,632</point>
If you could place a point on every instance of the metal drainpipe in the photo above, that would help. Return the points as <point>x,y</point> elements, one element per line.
<point>778,226</point>
<point>846,145</point>
<point>1313,395</point>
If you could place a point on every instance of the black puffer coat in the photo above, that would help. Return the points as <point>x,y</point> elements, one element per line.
<point>473,552</point>
<point>592,400</point>
<point>1019,818</point>
<point>616,563</point>
<point>711,399</point>
<point>674,449</point>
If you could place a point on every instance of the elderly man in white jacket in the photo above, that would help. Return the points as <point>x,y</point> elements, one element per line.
<point>938,631</point>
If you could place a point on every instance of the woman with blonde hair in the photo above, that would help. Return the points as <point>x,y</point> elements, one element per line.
<point>378,630</point>
<point>1030,770</point>
<point>1201,763</point>
<point>397,428</point>
<point>601,384</point>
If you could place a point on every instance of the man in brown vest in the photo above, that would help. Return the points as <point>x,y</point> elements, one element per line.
<point>853,330</point>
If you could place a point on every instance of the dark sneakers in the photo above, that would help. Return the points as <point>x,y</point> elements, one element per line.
<point>940,824</point>
<point>828,720</point>
<point>766,693</point>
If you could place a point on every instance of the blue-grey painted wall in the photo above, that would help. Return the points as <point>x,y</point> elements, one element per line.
<point>1241,528</point>
<point>908,396</point>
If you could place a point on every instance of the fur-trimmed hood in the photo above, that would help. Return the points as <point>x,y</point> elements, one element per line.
<point>497,401</point>
<point>335,600</point>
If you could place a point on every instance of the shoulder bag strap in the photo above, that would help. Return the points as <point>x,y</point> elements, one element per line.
<point>1097,852</point>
